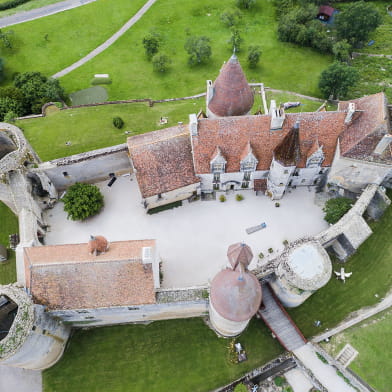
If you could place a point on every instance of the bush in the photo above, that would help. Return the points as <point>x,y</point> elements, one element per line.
<point>11,4</point>
<point>279,381</point>
<point>270,250</point>
<point>231,17</point>
<point>261,255</point>
<point>239,197</point>
<point>82,201</point>
<point>335,208</point>
<point>321,357</point>
<point>240,388</point>
<point>254,53</point>
<point>118,122</point>
<point>151,43</point>
<point>164,207</point>
<point>160,62</point>
<point>245,4</point>
<point>199,50</point>
<point>277,204</point>
<point>222,198</point>
<point>235,41</point>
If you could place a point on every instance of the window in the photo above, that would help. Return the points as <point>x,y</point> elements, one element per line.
<point>218,167</point>
<point>65,174</point>
<point>216,178</point>
<point>303,180</point>
<point>248,166</point>
<point>159,197</point>
<point>281,184</point>
<point>247,176</point>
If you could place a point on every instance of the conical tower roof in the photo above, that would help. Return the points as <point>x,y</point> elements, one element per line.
<point>239,253</point>
<point>232,94</point>
<point>287,152</point>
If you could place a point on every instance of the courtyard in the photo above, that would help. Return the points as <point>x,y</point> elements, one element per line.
<point>192,240</point>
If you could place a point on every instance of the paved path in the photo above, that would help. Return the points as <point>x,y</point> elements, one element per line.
<point>107,43</point>
<point>325,373</point>
<point>37,13</point>
<point>19,380</point>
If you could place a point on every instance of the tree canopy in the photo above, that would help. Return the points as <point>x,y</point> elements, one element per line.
<point>335,208</point>
<point>356,22</point>
<point>82,201</point>
<point>337,79</point>
<point>199,49</point>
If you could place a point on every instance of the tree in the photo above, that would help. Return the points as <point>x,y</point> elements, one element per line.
<point>161,62</point>
<point>5,38</point>
<point>7,105</point>
<point>335,208</point>
<point>356,22</point>
<point>245,4</point>
<point>337,79</point>
<point>37,89</point>
<point>151,43</point>
<point>118,122</point>
<point>254,53</point>
<point>82,201</point>
<point>342,51</point>
<point>231,17</point>
<point>199,49</point>
<point>235,41</point>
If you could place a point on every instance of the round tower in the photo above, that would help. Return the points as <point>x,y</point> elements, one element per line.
<point>303,268</point>
<point>29,337</point>
<point>235,294</point>
<point>230,94</point>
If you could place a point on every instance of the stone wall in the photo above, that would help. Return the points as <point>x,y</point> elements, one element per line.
<point>92,166</point>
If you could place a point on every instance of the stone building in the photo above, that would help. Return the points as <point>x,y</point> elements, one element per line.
<point>233,150</point>
<point>235,294</point>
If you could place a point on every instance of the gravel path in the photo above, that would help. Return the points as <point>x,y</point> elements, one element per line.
<point>37,13</point>
<point>107,43</point>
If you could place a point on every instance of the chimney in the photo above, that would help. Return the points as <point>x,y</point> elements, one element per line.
<point>277,116</point>
<point>350,113</point>
<point>193,124</point>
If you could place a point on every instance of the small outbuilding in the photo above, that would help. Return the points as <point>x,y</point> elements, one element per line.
<point>325,13</point>
<point>3,253</point>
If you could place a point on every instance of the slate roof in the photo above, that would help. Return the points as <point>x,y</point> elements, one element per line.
<point>232,93</point>
<point>163,160</point>
<point>232,135</point>
<point>68,277</point>
<point>366,129</point>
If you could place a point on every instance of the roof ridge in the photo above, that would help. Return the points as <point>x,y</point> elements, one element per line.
<point>95,261</point>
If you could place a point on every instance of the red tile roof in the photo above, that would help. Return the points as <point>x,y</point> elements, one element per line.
<point>163,160</point>
<point>232,134</point>
<point>288,152</point>
<point>368,126</point>
<point>326,10</point>
<point>68,277</point>
<point>232,94</point>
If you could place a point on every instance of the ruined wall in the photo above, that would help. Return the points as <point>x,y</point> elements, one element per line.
<point>92,166</point>
<point>36,340</point>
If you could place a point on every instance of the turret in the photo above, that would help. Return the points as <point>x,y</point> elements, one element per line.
<point>235,294</point>
<point>230,95</point>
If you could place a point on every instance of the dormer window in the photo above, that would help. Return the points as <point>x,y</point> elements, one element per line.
<point>218,162</point>
<point>218,167</point>
<point>249,165</point>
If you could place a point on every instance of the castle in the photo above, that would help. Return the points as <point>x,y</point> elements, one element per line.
<point>226,149</point>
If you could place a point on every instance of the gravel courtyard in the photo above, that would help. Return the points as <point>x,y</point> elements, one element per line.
<point>193,239</point>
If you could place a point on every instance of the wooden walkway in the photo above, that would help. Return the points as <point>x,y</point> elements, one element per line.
<point>279,322</point>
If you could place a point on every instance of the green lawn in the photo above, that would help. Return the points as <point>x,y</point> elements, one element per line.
<point>9,225</point>
<point>91,127</point>
<point>372,274</point>
<point>282,65</point>
<point>372,339</point>
<point>52,43</point>
<point>176,355</point>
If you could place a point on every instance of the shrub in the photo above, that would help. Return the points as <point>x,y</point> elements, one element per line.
<point>161,62</point>
<point>270,250</point>
<point>235,41</point>
<point>82,201</point>
<point>239,197</point>
<point>222,198</point>
<point>279,381</point>
<point>240,388</point>
<point>118,122</point>
<point>277,204</point>
<point>199,50</point>
<point>321,358</point>
<point>164,207</point>
<point>231,17</point>
<point>151,43</point>
<point>254,52</point>
<point>11,4</point>
<point>335,208</point>
<point>261,255</point>
<point>245,4</point>
<point>285,242</point>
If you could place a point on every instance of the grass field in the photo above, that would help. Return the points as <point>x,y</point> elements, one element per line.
<point>282,65</point>
<point>91,127</point>
<point>93,94</point>
<point>9,225</point>
<point>52,43</point>
<point>176,355</point>
<point>372,274</point>
<point>372,339</point>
